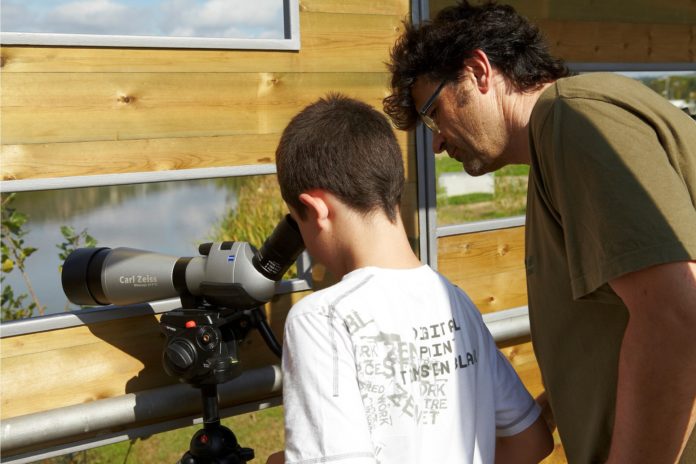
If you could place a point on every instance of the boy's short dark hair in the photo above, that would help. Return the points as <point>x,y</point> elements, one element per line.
<point>437,50</point>
<point>346,147</point>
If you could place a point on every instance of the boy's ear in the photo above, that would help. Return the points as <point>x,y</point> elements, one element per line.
<point>317,207</point>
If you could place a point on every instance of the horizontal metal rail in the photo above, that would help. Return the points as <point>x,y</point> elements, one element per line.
<point>107,180</point>
<point>23,438</point>
<point>480,226</point>
<point>111,313</point>
<point>629,67</point>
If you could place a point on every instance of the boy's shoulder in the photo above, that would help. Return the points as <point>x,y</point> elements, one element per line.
<point>321,301</point>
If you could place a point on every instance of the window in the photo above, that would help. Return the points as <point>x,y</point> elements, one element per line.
<point>224,24</point>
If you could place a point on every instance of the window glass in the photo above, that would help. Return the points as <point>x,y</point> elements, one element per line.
<point>462,198</point>
<point>679,87</point>
<point>145,22</point>
<point>171,218</point>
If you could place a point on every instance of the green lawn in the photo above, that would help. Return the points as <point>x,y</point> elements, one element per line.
<point>508,199</point>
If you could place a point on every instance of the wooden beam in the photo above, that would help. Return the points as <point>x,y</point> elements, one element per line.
<point>51,160</point>
<point>642,31</point>
<point>67,107</point>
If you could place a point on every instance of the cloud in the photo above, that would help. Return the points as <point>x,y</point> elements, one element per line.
<point>15,17</point>
<point>98,17</point>
<point>178,18</point>
<point>223,18</point>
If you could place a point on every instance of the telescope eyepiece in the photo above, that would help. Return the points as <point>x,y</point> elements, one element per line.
<point>280,250</point>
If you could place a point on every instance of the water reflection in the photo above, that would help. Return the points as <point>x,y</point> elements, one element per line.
<point>169,217</point>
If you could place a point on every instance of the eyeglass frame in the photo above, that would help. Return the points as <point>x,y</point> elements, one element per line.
<point>423,112</point>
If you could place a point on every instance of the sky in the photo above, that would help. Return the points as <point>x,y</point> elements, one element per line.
<point>178,18</point>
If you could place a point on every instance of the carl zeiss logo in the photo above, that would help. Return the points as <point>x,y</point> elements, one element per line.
<point>138,280</point>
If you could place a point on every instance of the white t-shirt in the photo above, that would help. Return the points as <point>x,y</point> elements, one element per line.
<point>395,366</point>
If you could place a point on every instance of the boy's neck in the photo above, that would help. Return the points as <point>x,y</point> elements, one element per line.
<point>373,241</point>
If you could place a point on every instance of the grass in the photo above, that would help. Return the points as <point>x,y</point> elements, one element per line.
<point>467,199</point>
<point>261,430</point>
<point>508,199</point>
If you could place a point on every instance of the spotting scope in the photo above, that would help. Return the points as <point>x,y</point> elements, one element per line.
<point>221,293</point>
<point>227,274</point>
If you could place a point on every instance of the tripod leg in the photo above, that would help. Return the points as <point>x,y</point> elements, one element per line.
<point>214,443</point>
<point>211,413</point>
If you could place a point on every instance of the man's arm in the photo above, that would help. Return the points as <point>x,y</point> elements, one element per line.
<point>655,410</point>
<point>527,447</point>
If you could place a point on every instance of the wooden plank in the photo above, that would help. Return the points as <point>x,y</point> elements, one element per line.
<point>481,253</point>
<point>51,160</point>
<point>383,7</point>
<point>613,32</point>
<point>645,11</point>
<point>489,266</point>
<point>496,292</point>
<point>330,42</point>
<point>67,107</point>
<point>580,41</point>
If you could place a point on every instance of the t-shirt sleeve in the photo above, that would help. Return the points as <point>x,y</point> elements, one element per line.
<point>515,409</point>
<point>324,415</point>
<point>620,199</point>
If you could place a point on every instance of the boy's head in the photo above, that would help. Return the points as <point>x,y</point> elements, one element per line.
<point>345,147</point>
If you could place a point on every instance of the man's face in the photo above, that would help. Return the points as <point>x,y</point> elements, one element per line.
<point>470,123</point>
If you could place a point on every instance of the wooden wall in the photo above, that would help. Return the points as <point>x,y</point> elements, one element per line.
<point>84,111</point>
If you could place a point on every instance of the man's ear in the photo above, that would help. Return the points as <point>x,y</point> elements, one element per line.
<point>481,69</point>
<point>317,207</point>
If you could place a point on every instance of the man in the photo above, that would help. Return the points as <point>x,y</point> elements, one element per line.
<point>393,363</point>
<point>610,229</point>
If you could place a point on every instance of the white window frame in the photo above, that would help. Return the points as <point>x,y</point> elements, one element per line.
<point>291,41</point>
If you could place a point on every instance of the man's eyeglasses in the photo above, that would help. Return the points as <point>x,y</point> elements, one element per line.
<point>427,120</point>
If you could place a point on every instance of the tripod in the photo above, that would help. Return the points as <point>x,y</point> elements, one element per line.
<point>201,349</point>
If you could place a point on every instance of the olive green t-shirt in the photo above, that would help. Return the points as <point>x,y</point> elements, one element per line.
<point>612,190</point>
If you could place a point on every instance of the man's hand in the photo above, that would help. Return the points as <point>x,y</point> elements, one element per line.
<point>656,393</point>
<point>276,458</point>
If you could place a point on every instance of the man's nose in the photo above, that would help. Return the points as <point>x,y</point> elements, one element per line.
<point>439,142</point>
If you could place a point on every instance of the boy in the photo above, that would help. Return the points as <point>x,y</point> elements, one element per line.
<point>392,364</point>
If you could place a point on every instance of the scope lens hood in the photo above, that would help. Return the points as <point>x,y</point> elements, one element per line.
<point>81,276</point>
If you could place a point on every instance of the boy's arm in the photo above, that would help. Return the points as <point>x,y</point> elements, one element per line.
<point>527,447</point>
<point>522,424</point>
